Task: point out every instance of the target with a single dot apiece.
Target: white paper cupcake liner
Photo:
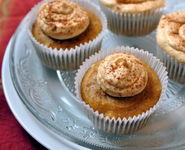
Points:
(129, 24)
(67, 59)
(176, 70)
(121, 125)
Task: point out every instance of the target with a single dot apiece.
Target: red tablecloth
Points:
(12, 135)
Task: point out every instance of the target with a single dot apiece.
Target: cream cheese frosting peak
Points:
(62, 19)
(171, 35)
(131, 1)
(122, 75)
(133, 6)
(175, 30)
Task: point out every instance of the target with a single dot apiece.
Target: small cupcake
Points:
(65, 32)
(120, 88)
(171, 44)
(132, 17)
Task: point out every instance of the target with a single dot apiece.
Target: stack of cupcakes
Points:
(65, 32)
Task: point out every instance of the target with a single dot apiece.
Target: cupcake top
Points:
(62, 19)
(133, 6)
(122, 75)
(171, 35)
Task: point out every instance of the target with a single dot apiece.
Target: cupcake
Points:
(132, 17)
(171, 44)
(65, 32)
(120, 88)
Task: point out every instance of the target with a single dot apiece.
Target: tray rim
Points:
(29, 122)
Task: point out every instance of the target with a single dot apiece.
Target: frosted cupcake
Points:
(171, 44)
(120, 88)
(65, 32)
(132, 17)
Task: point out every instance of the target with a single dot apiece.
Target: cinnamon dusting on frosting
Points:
(133, 6)
(62, 19)
(171, 35)
(122, 75)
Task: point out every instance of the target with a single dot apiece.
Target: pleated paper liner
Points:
(176, 70)
(129, 24)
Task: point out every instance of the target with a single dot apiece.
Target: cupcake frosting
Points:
(133, 6)
(122, 75)
(62, 19)
(171, 35)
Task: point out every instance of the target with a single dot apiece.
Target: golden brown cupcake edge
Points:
(92, 31)
(92, 94)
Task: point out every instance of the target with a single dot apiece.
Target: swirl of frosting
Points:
(171, 35)
(122, 75)
(131, 1)
(62, 19)
(133, 6)
(175, 30)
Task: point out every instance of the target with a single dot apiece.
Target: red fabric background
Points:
(12, 135)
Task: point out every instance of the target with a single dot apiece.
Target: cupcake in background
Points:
(120, 88)
(65, 32)
(171, 44)
(132, 17)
